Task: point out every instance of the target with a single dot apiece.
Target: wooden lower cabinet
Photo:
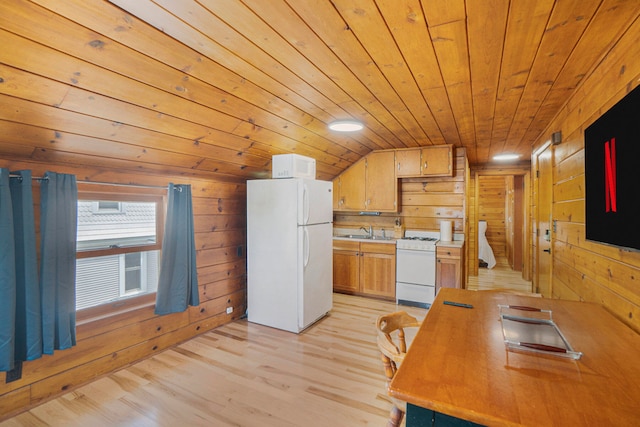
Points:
(346, 266)
(364, 268)
(449, 264)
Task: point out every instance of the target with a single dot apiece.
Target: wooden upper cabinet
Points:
(381, 186)
(437, 160)
(408, 163)
(350, 188)
(371, 184)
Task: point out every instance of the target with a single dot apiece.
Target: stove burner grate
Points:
(422, 239)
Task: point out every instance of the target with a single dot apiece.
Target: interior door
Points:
(543, 223)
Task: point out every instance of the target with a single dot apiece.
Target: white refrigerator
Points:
(289, 252)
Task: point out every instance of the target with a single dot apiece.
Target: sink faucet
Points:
(369, 231)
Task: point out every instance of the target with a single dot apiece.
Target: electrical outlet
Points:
(229, 310)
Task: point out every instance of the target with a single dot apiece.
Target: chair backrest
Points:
(393, 351)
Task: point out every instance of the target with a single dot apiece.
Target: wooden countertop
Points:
(377, 240)
(458, 365)
(450, 244)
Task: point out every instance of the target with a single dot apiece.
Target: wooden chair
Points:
(392, 353)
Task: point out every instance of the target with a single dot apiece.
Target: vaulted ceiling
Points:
(197, 87)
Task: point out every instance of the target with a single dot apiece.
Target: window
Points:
(118, 246)
(106, 207)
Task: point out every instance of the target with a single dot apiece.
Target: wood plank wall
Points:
(107, 345)
(584, 270)
(424, 203)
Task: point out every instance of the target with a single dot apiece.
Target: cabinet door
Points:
(336, 194)
(448, 267)
(381, 183)
(378, 271)
(447, 273)
(437, 160)
(346, 276)
(352, 187)
(408, 163)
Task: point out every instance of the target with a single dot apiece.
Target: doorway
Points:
(502, 199)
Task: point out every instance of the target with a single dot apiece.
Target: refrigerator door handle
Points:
(306, 247)
(305, 204)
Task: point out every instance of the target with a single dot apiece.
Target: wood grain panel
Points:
(526, 22)
(590, 271)
(406, 22)
(109, 343)
(245, 80)
(450, 43)
(361, 16)
(486, 28)
(563, 30)
(610, 15)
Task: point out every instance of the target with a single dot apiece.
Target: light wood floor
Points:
(499, 277)
(243, 374)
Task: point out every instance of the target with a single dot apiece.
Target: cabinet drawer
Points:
(346, 245)
(444, 252)
(378, 248)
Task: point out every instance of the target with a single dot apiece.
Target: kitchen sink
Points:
(381, 238)
(364, 236)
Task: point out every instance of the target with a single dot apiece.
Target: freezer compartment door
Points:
(316, 271)
(315, 200)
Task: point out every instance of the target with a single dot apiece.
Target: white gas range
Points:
(416, 268)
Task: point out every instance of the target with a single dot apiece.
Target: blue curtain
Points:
(7, 276)
(178, 281)
(58, 225)
(28, 336)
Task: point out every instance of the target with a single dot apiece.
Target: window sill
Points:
(114, 309)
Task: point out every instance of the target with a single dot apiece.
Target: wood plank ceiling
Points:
(204, 87)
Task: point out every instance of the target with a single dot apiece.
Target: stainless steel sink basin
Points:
(381, 238)
(364, 236)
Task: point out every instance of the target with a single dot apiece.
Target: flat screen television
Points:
(612, 175)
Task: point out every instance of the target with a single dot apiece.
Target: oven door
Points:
(416, 266)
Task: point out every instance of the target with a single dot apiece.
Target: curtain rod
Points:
(37, 178)
(177, 187)
(44, 178)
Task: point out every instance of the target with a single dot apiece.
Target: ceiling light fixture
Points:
(345, 126)
(505, 157)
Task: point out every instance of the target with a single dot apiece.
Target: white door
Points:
(316, 268)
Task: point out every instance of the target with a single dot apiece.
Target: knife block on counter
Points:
(398, 231)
